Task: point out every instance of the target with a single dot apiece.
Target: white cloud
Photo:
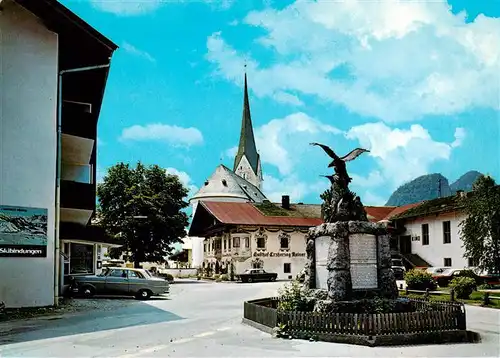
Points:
(460, 135)
(127, 7)
(185, 179)
(231, 152)
(163, 132)
(401, 154)
(403, 60)
(136, 52)
(285, 97)
(283, 141)
(372, 199)
(291, 185)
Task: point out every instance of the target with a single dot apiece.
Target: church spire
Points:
(246, 147)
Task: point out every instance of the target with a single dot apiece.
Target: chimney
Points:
(285, 202)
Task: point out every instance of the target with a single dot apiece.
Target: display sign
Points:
(278, 254)
(23, 232)
(363, 250)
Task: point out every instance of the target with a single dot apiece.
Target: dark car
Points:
(253, 275)
(120, 281)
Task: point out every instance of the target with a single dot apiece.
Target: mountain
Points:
(425, 187)
(465, 181)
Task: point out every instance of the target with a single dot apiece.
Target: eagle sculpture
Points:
(339, 162)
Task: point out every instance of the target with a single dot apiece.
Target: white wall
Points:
(28, 98)
(436, 251)
(244, 170)
(270, 263)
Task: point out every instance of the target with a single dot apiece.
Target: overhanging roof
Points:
(60, 19)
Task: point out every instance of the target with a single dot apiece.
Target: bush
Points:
(291, 297)
(463, 286)
(471, 274)
(216, 276)
(224, 277)
(419, 280)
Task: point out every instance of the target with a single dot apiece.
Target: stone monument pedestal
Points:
(350, 259)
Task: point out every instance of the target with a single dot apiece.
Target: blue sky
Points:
(416, 82)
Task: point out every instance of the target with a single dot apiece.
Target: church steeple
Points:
(247, 148)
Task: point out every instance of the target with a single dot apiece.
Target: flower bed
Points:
(423, 322)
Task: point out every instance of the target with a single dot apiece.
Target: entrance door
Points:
(405, 244)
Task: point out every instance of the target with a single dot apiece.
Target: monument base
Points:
(350, 259)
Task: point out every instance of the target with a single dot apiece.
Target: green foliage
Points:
(224, 277)
(480, 231)
(291, 297)
(419, 280)
(216, 276)
(142, 208)
(463, 286)
(270, 209)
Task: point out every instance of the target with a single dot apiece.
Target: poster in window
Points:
(23, 231)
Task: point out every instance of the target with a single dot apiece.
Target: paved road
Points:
(203, 320)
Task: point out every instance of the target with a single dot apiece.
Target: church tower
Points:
(247, 161)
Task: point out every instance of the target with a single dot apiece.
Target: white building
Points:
(428, 233)
(250, 235)
(242, 184)
(49, 109)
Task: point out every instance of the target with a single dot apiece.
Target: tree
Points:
(480, 231)
(142, 208)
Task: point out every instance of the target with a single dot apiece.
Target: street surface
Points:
(203, 319)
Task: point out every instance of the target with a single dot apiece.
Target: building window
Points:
(472, 262)
(446, 232)
(229, 242)
(247, 242)
(284, 241)
(81, 260)
(261, 243)
(447, 262)
(225, 244)
(287, 268)
(236, 242)
(204, 247)
(425, 234)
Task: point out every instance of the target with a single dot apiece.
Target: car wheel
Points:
(143, 295)
(87, 291)
(249, 280)
(272, 279)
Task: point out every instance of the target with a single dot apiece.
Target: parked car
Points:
(444, 278)
(398, 268)
(253, 275)
(120, 281)
(435, 270)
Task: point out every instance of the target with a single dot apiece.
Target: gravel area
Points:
(68, 306)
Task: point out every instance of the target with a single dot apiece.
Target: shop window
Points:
(287, 268)
(81, 260)
(236, 242)
(447, 262)
(446, 232)
(425, 234)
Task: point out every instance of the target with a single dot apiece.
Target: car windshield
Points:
(447, 272)
(397, 263)
(247, 271)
